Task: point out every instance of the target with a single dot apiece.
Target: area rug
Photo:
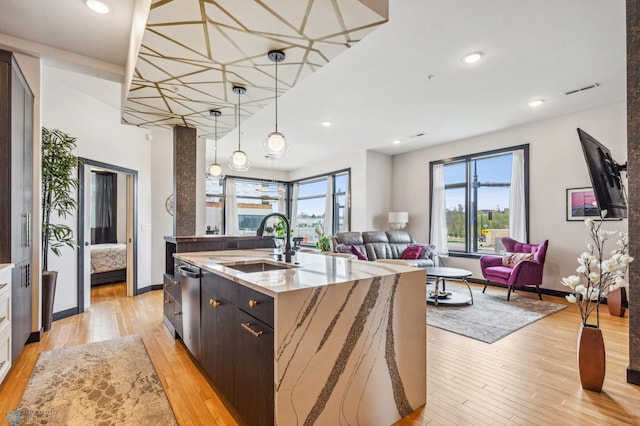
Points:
(102, 383)
(490, 318)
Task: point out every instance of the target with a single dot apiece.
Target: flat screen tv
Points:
(606, 179)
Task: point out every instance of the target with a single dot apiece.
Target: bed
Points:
(108, 263)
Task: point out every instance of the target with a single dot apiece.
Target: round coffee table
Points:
(452, 297)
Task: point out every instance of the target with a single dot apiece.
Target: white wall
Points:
(88, 108)
(370, 185)
(162, 187)
(556, 163)
(378, 191)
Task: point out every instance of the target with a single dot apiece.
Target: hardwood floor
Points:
(527, 378)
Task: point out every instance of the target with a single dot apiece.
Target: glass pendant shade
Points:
(215, 170)
(239, 161)
(275, 145)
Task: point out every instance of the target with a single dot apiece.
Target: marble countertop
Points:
(308, 270)
(4, 266)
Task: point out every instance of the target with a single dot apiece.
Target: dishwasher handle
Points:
(188, 272)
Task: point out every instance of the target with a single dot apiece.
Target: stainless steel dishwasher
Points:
(190, 284)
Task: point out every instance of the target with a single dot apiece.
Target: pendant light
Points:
(215, 170)
(275, 145)
(239, 160)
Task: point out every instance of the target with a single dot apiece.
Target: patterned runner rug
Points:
(102, 383)
(490, 318)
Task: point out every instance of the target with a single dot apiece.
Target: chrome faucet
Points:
(287, 248)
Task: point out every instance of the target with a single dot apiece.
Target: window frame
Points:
(467, 159)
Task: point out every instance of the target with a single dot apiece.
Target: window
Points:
(214, 202)
(484, 197)
(103, 207)
(249, 201)
(320, 206)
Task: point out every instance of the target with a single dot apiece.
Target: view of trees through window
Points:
(477, 202)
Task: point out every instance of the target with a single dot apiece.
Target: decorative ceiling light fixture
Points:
(215, 170)
(472, 58)
(239, 160)
(98, 6)
(275, 145)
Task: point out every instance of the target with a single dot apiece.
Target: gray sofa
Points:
(384, 245)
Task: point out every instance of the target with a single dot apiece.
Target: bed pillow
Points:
(358, 254)
(512, 259)
(412, 252)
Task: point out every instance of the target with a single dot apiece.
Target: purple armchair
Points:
(523, 273)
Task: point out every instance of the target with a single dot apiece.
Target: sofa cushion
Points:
(421, 263)
(412, 252)
(350, 238)
(358, 253)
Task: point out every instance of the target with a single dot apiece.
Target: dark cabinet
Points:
(237, 348)
(173, 319)
(16, 196)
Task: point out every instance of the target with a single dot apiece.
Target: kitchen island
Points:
(324, 340)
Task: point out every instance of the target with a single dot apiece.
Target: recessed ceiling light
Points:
(396, 141)
(536, 103)
(472, 57)
(97, 6)
(327, 123)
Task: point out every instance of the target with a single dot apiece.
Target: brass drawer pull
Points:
(176, 282)
(166, 302)
(252, 303)
(214, 303)
(175, 314)
(247, 326)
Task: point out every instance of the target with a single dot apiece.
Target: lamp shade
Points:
(275, 145)
(215, 170)
(398, 220)
(239, 161)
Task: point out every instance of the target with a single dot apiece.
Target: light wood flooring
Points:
(526, 378)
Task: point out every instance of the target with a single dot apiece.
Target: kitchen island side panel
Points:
(351, 353)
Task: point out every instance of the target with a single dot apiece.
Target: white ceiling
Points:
(379, 89)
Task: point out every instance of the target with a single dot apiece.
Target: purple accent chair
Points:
(525, 273)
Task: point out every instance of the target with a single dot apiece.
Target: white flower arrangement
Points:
(598, 276)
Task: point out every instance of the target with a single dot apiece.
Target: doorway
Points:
(104, 229)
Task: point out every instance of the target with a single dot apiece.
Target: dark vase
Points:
(49, 279)
(591, 357)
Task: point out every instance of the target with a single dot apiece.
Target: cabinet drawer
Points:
(173, 287)
(5, 352)
(256, 304)
(219, 286)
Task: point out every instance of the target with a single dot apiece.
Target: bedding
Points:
(108, 257)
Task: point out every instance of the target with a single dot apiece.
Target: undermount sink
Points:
(257, 266)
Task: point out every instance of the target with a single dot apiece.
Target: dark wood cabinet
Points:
(16, 191)
(173, 320)
(237, 348)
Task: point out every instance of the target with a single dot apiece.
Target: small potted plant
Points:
(324, 243)
(58, 189)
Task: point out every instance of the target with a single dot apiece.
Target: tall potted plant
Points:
(58, 189)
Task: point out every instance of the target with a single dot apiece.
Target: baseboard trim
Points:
(66, 313)
(152, 287)
(633, 376)
(530, 289)
(35, 336)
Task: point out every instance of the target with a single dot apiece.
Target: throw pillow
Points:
(357, 252)
(342, 248)
(411, 252)
(427, 251)
(512, 259)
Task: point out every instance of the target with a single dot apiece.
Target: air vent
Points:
(582, 89)
(417, 135)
